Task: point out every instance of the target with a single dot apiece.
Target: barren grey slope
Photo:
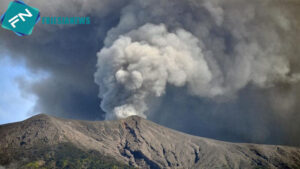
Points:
(144, 144)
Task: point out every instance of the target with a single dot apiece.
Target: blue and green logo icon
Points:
(20, 18)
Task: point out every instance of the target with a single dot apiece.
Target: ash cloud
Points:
(213, 48)
(66, 53)
(140, 64)
(221, 69)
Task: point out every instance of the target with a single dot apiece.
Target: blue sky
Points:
(15, 105)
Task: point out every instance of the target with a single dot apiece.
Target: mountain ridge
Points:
(140, 143)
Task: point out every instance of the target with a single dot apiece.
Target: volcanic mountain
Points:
(49, 142)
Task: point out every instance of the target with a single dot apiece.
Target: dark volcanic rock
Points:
(139, 143)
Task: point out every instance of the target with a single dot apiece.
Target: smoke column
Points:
(227, 70)
(213, 48)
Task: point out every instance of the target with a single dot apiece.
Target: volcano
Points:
(49, 142)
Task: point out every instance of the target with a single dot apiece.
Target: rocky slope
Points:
(133, 142)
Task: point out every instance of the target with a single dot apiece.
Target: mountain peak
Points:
(41, 116)
(140, 143)
(135, 118)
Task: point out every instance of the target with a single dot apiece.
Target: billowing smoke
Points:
(139, 65)
(221, 69)
(213, 48)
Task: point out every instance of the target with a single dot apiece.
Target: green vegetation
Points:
(34, 165)
(64, 156)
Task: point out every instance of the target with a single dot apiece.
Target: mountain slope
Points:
(133, 141)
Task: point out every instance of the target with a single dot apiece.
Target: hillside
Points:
(48, 142)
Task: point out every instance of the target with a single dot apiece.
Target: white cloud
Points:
(15, 105)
